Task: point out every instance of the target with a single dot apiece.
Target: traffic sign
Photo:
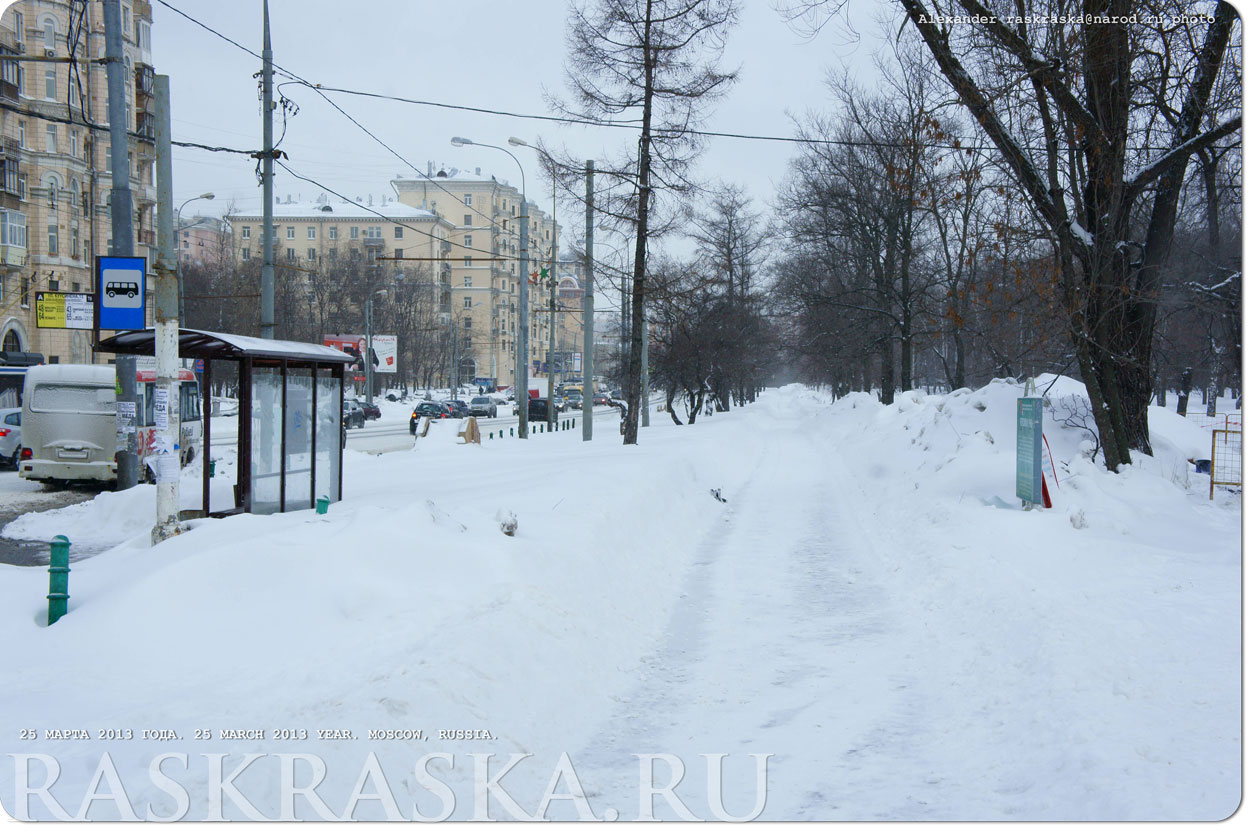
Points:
(199, 365)
(120, 292)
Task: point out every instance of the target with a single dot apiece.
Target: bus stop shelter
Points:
(290, 450)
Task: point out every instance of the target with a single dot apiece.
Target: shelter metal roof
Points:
(196, 343)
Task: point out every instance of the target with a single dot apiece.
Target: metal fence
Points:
(1220, 421)
(1225, 459)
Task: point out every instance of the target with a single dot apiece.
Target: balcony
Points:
(12, 238)
(145, 125)
(145, 81)
(147, 238)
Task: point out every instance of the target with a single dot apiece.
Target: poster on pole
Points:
(385, 353)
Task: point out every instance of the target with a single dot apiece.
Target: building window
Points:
(290, 254)
(354, 254)
(51, 129)
(49, 83)
(312, 254)
(468, 262)
(334, 253)
(399, 232)
(468, 199)
(25, 293)
(52, 189)
(312, 232)
(49, 33)
(468, 219)
(468, 323)
(76, 286)
(355, 233)
(468, 302)
(334, 232)
(73, 242)
(247, 232)
(290, 232)
(145, 35)
(73, 143)
(247, 254)
(54, 285)
(19, 27)
(468, 241)
(374, 232)
(468, 281)
(21, 134)
(21, 187)
(52, 240)
(399, 254)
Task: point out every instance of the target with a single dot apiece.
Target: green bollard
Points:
(212, 468)
(58, 579)
(512, 431)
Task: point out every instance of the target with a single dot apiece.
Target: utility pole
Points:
(551, 316)
(168, 386)
(523, 344)
(122, 216)
(266, 234)
(645, 413)
(588, 307)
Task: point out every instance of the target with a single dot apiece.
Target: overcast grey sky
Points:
(466, 52)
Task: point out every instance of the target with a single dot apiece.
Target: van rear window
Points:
(72, 398)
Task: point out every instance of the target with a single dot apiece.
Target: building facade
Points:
(55, 171)
(484, 215)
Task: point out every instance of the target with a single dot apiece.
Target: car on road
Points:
(353, 415)
(371, 411)
(601, 398)
(573, 401)
(431, 410)
(10, 435)
(459, 409)
(483, 406)
(537, 410)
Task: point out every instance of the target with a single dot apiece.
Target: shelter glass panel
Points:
(266, 439)
(299, 427)
(329, 435)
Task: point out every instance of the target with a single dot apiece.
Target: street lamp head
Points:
(460, 141)
(209, 195)
(515, 142)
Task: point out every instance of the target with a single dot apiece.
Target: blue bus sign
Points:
(120, 292)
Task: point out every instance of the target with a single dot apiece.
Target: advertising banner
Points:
(385, 353)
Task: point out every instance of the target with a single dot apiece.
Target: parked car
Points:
(10, 435)
(601, 398)
(353, 415)
(483, 406)
(372, 411)
(459, 409)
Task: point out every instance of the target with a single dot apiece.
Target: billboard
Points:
(64, 310)
(384, 354)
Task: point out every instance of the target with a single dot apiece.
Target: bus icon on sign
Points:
(127, 289)
(121, 290)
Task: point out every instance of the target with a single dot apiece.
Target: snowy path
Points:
(784, 641)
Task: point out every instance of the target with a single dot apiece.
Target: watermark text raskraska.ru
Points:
(1061, 19)
(295, 778)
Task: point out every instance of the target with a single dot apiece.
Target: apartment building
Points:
(484, 214)
(55, 167)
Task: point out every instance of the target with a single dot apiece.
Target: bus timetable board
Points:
(64, 310)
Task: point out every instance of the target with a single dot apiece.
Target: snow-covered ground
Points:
(865, 608)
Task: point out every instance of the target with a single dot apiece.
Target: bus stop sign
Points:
(120, 292)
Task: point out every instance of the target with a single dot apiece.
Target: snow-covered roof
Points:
(341, 211)
(198, 343)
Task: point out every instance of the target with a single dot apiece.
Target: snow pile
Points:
(850, 587)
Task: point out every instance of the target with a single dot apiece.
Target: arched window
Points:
(49, 32)
(11, 342)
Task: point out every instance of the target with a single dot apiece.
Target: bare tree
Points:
(652, 62)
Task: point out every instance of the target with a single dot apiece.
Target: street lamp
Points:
(367, 354)
(551, 279)
(182, 304)
(521, 383)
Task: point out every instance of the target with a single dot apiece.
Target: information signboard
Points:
(121, 292)
(1029, 450)
(64, 310)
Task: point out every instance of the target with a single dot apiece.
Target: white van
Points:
(71, 413)
(69, 423)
